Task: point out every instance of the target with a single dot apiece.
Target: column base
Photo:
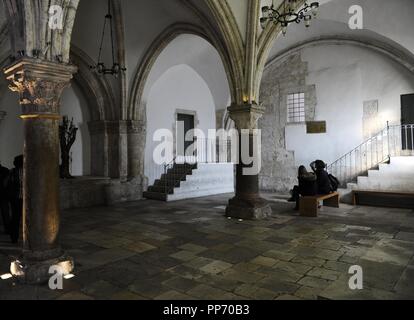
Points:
(248, 209)
(32, 272)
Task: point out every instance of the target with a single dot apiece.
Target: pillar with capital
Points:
(247, 203)
(40, 85)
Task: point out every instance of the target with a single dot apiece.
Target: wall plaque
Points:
(316, 127)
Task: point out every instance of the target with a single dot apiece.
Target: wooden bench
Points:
(309, 206)
(404, 200)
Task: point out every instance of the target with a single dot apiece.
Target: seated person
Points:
(323, 181)
(307, 186)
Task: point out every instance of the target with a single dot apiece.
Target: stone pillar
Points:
(247, 204)
(40, 85)
(99, 149)
(136, 148)
(109, 149)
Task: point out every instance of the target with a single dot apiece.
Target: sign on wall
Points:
(316, 127)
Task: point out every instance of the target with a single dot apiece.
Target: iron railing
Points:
(393, 141)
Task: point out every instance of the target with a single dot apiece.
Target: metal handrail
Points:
(394, 140)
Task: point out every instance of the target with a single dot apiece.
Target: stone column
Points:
(247, 204)
(40, 85)
(99, 149)
(136, 148)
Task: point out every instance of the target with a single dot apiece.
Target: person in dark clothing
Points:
(307, 186)
(4, 202)
(15, 194)
(323, 181)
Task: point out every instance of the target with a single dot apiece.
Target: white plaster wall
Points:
(75, 106)
(201, 56)
(180, 87)
(385, 20)
(345, 76)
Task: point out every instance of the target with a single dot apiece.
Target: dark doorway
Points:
(407, 121)
(187, 123)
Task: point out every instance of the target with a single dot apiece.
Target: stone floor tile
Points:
(126, 295)
(277, 285)
(139, 247)
(246, 267)
(391, 251)
(172, 295)
(264, 261)
(100, 289)
(184, 255)
(337, 266)
(405, 285)
(148, 289)
(339, 290)
(180, 284)
(256, 293)
(244, 277)
(287, 297)
(205, 292)
(292, 267)
(313, 282)
(193, 248)
(279, 255)
(216, 267)
(75, 295)
(198, 262)
(324, 274)
(308, 293)
(309, 261)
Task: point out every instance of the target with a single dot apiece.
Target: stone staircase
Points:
(397, 176)
(186, 181)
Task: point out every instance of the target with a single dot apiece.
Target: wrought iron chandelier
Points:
(100, 67)
(288, 14)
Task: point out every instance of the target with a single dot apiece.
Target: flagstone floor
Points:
(189, 250)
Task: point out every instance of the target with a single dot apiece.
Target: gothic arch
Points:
(395, 52)
(234, 43)
(136, 106)
(97, 90)
(265, 44)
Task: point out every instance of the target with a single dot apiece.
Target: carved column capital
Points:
(136, 127)
(40, 84)
(246, 116)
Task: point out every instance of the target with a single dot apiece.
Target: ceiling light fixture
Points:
(287, 14)
(100, 66)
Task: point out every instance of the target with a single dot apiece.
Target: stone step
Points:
(175, 176)
(207, 179)
(391, 174)
(179, 172)
(161, 189)
(168, 182)
(202, 180)
(402, 161)
(397, 185)
(155, 196)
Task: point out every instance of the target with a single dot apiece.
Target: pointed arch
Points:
(136, 107)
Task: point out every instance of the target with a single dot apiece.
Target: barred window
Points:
(296, 107)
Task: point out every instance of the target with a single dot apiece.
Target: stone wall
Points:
(84, 192)
(280, 79)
